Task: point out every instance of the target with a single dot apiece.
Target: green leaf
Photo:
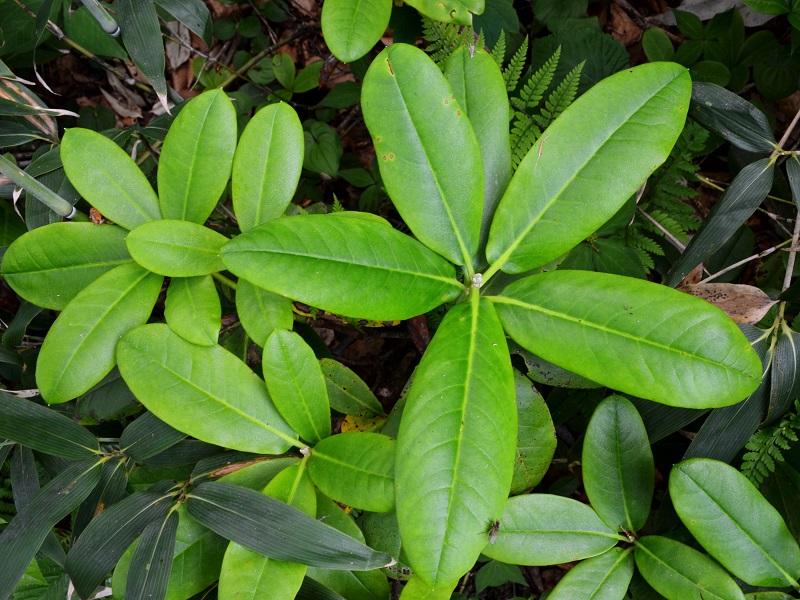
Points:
(49, 265)
(769, 7)
(657, 45)
(732, 117)
(618, 471)
(147, 436)
(277, 530)
(196, 157)
(460, 412)
(734, 522)
(308, 78)
(347, 392)
(540, 529)
(352, 27)
(495, 573)
(267, 165)
(152, 560)
(83, 28)
(603, 577)
(627, 125)
(79, 349)
(416, 124)
(536, 436)
(213, 396)
(247, 575)
(193, 309)
(679, 572)
(322, 148)
(479, 88)
(783, 374)
(44, 430)
(24, 534)
(176, 248)
(141, 34)
(110, 533)
(745, 193)
(108, 178)
(262, 312)
(451, 11)
(356, 469)
(192, 13)
(632, 336)
(295, 382)
(315, 259)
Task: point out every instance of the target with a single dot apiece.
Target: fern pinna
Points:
(765, 446)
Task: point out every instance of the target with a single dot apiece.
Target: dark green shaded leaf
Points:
(661, 420)
(141, 34)
(152, 560)
(312, 590)
(347, 392)
(192, 13)
(15, 333)
(111, 489)
(147, 436)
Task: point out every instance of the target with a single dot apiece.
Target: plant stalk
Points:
(36, 189)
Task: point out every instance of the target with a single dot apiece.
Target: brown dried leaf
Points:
(742, 303)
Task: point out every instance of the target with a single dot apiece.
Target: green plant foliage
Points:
(351, 28)
(764, 447)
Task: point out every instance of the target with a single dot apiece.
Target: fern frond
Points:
(764, 447)
(499, 50)
(561, 97)
(534, 89)
(513, 71)
(445, 38)
(524, 134)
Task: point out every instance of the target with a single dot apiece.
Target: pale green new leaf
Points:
(450, 11)
(632, 336)
(176, 248)
(734, 523)
(247, 575)
(456, 444)
(618, 472)
(479, 88)
(267, 165)
(49, 265)
(196, 157)
(603, 577)
(108, 178)
(356, 469)
(416, 126)
(350, 266)
(679, 572)
(295, 382)
(212, 396)
(262, 312)
(588, 163)
(80, 347)
(352, 27)
(193, 310)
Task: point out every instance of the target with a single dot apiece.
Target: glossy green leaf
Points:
(152, 560)
(679, 572)
(603, 577)
(193, 309)
(147, 436)
(618, 471)
(416, 124)
(277, 530)
(267, 165)
(196, 157)
(44, 430)
(745, 193)
(451, 11)
(356, 469)
(295, 382)
(176, 248)
(732, 117)
(79, 349)
(108, 178)
(347, 392)
(212, 395)
(262, 312)
(479, 89)
(541, 529)
(49, 265)
(141, 34)
(110, 533)
(632, 336)
(734, 522)
(352, 27)
(456, 446)
(588, 163)
(317, 258)
(24, 534)
(247, 575)
(536, 436)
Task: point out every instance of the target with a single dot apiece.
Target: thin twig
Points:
(766, 252)
(671, 238)
(641, 21)
(787, 278)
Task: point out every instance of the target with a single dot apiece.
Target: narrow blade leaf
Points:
(147, 436)
(278, 530)
(633, 336)
(141, 34)
(152, 560)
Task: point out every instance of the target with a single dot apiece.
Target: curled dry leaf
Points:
(742, 303)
